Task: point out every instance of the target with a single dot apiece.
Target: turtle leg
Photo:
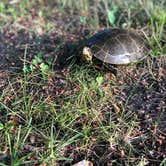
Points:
(112, 69)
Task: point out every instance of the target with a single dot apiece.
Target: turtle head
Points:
(87, 54)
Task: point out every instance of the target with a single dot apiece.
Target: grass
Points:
(49, 117)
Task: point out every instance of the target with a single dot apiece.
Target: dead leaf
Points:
(122, 153)
(115, 91)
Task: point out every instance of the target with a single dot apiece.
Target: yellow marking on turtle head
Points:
(87, 54)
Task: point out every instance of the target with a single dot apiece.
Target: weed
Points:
(37, 64)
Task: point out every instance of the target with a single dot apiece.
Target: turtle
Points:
(115, 47)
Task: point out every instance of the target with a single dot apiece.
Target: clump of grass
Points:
(157, 25)
(12, 10)
(59, 127)
(113, 13)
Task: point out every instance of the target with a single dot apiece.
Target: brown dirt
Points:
(141, 88)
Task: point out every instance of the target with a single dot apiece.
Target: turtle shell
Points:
(117, 46)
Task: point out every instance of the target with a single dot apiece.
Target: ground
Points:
(57, 110)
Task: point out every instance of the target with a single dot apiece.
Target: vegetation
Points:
(55, 110)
